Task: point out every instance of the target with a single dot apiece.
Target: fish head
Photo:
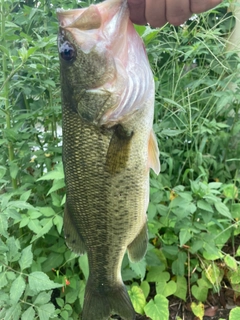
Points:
(104, 67)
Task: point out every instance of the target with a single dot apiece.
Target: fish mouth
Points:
(103, 23)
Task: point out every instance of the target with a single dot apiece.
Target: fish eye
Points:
(67, 51)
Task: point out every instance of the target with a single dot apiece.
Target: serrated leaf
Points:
(39, 281)
(17, 288)
(231, 262)
(157, 309)
(139, 268)
(45, 311)
(29, 314)
(43, 298)
(198, 310)
(47, 226)
(138, 299)
(26, 258)
(13, 313)
(223, 209)
(47, 211)
(166, 288)
(3, 225)
(3, 280)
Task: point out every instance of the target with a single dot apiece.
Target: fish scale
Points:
(108, 148)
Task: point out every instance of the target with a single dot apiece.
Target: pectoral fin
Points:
(153, 153)
(138, 248)
(72, 236)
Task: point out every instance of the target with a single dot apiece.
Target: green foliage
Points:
(194, 209)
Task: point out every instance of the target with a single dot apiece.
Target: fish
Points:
(107, 92)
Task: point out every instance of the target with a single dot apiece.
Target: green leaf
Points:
(184, 236)
(234, 314)
(57, 184)
(230, 191)
(223, 209)
(58, 222)
(198, 309)
(166, 288)
(29, 314)
(178, 266)
(181, 291)
(83, 263)
(145, 288)
(57, 174)
(139, 268)
(46, 311)
(214, 274)
(13, 313)
(235, 211)
(17, 288)
(47, 211)
(39, 281)
(138, 299)
(200, 291)
(156, 274)
(3, 280)
(157, 309)
(25, 196)
(204, 205)
(231, 262)
(26, 258)
(2, 171)
(47, 226)
(13, 170)
(234, 276)
(43, 298)
(3, 225)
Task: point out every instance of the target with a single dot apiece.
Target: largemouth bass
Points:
(108, 147)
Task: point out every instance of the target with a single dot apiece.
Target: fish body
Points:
(108, 147)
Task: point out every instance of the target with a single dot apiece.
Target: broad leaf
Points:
(138, 299)
(39, 281)
(157, 309)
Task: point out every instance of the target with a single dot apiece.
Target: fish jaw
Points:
(104, 32)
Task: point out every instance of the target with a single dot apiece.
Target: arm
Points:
(159, 12)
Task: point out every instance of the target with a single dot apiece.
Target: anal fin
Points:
(72, 236)
(138, 248)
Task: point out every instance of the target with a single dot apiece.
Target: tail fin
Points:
(100, 303)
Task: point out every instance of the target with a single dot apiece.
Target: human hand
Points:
(159, 12)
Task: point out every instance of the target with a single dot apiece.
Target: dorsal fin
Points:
(153, 153)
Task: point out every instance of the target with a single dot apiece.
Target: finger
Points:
(155, 12)
(203, 5)
(177, 12)
(137, 11)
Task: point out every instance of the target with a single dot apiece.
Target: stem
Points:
(6, 92)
